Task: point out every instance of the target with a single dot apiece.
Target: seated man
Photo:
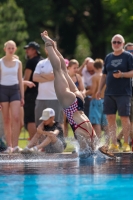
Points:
(50, 133)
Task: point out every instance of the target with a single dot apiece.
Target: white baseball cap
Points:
(47, 113)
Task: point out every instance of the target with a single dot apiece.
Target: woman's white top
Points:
(8, 75)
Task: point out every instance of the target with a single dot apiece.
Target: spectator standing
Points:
(30, 85)
(1, 130)
(73, 73)
(86, 70)
(117, 73)
(11, 95)
(128, 47)
(33, 55)
(96, 116)
(46, 97)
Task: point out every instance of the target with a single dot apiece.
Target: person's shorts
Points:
(131, 110)
(29, 108)
(56, 147)
(9, 93)
(96, 115)
(122, 104)
(87, 105)
(43, 104)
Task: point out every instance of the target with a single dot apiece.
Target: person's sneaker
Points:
(104, 153)
(114, 148)
(8, 150)
(34, 149)
(30, 150)
(26, 150)
(126, 147)
(16, 149)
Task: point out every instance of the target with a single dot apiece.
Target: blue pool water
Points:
(58, 187)
(90, 179)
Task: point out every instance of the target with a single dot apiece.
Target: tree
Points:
(12, 26)
(66, 20)
(124, 18)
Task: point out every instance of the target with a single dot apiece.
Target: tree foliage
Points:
(66, 20)
(69, 20)
(12, 26)
(122, 17)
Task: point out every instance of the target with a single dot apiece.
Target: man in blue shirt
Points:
(128, 47)
(117, 73)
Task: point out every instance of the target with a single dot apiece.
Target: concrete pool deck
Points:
(66, 163)
(37, 156)
(51, 156)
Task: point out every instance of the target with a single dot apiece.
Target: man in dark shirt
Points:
(128, 47)
(50, 133)
(33, 55)
(117, 73)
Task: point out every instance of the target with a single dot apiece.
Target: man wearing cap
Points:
(51, 132)
(33, 55)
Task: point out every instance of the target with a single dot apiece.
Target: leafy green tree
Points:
(12, 26)
(123, 21)
(66, 20)
(82, 49)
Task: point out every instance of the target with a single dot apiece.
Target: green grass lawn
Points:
(23, 138)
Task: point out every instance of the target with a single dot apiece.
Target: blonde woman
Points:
(11, 95)
(77, 79)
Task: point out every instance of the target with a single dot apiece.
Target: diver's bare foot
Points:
(46, 38)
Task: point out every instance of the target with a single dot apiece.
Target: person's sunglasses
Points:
(116, 42)
(131, 51)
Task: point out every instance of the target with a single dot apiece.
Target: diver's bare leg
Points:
(58, 64)
(64, 95)
(72, 86)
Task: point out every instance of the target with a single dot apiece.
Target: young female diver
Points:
(72, 100)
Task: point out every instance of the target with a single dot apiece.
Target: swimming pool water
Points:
(58, 187)
(90, 179)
